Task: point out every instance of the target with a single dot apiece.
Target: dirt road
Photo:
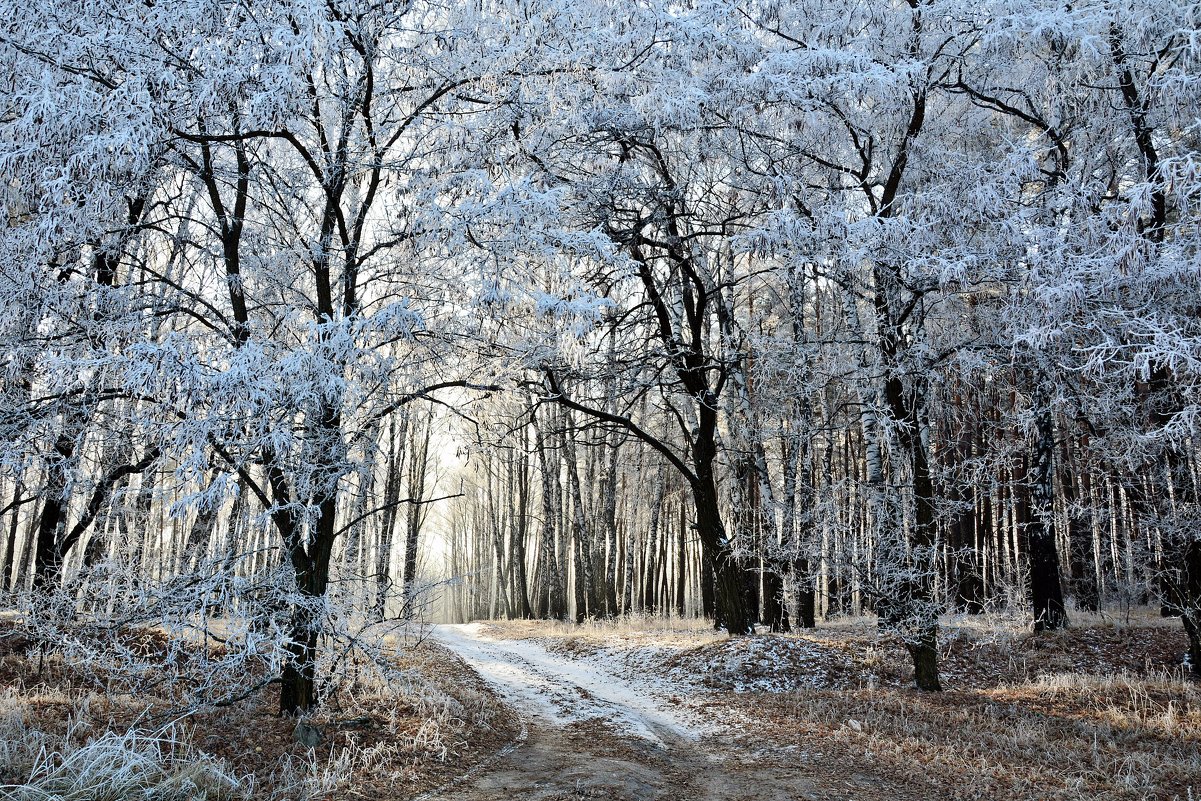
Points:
(594, 731)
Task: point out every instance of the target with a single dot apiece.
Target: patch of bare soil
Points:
(587, 760)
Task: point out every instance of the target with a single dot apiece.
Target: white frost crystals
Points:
(559, 690)
(242, 239)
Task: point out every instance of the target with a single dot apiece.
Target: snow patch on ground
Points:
(560, 689)
(762, 664)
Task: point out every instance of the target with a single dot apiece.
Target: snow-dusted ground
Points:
(770, 664)
(558, 689)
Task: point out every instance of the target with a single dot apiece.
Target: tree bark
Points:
(47, 555)
(519, 518)
(1046, 591)
(418, 465)
(12, 564)
(1075, 481)
(556, 607)
(583, 553)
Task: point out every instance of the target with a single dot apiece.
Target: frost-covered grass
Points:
(66, 735)
(82, 758)
(663, 630)
(1059, 736)
(1102, 710)
(80, 762)
(851, 652)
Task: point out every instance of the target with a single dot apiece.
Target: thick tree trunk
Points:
(743, 514)
(923, 649)
(298, 679)
(1046, 592)
(47, 554)
(730, 608)
(310, 566)
(708, 590)
(913, 612)
(924, 646)
(1191, 589)
(775, 610)
(806, 595)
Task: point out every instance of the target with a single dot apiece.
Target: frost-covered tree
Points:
(296, 282)
(1111, 286)
(895, 301)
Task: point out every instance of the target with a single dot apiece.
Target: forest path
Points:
(594, 731)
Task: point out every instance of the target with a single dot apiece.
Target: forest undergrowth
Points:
(68, 733)
(1102, 710)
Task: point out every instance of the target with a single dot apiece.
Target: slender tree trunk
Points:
(418, 465)
(682, 557)
(609, 521)
(13, 570)
(397, 449)
(649, 601)
(520, 530)
(584, 592)
(798, 518)
(556, 601)
(1076, 481)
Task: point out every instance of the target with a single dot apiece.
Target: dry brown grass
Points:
(1099, 711)
(632, 630)
(380, 735)
(1056, 738)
